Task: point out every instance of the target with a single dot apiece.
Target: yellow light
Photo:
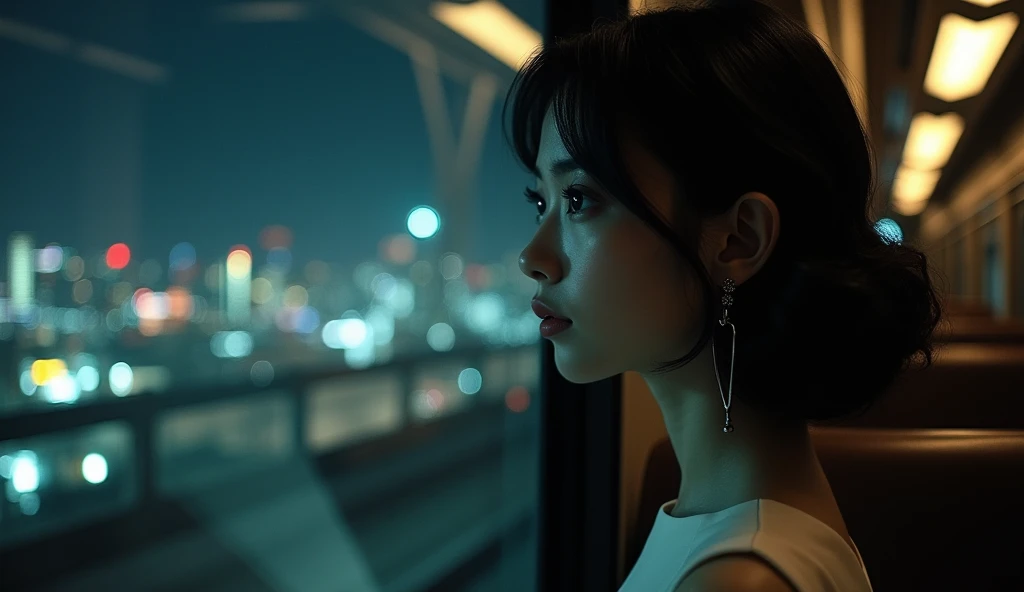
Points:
(965, 54)
(239, 264)
(912, 208)
(912, 185)
(931, 140)
(985, 3)
(262, 290)
(492, 27)
(43, 371)
(296, 296)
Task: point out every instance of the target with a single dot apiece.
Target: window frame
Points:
(580, 427)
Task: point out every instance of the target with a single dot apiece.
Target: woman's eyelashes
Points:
(575, 195)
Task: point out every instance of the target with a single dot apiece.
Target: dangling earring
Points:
(728, 286)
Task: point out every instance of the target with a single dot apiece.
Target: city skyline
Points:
(235, 139)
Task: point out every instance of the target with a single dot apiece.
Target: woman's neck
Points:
(762, 458)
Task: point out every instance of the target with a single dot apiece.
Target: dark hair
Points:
(733, 97)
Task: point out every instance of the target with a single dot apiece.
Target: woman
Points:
(703, 193)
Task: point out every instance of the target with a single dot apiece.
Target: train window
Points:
(960, 267)
(262, 324)
(993, 284)
(1018, 273)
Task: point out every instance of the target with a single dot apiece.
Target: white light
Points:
(231, 344)
(423, 222)
(352, 333)
(238, 344)
(94, 468)
(49, 259)
(121, 379)
(88, 378)
(441, 337)
(331, 334)
(153, 306)
(486, 312)
(346, 333)
(62, 389)
(470, 381)
(25, 474)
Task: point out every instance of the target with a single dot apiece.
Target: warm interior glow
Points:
(985, 3)
(239, 264)
(492, 27)
(912, 185)
(931, 140)
(965, 54)
(911, 208)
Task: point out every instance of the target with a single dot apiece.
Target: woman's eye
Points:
(573, 195)
(535, 198)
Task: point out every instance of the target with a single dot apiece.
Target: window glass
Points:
(960, 267)
(262, 325)
(993, 276)
(1018, 273)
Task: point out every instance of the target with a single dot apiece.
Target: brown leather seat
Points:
(980, 330)
(928, 509)
(958, 306)
(970, 385)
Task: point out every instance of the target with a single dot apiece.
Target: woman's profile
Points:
(703, 194)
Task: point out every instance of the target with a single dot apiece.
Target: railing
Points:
(358, 443)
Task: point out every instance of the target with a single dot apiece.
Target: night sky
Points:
(314, 125)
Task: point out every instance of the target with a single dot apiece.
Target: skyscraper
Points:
(21, 274)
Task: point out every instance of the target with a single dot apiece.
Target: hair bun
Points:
(840, 329)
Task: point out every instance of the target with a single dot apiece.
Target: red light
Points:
(517, 399)
(276, 237)
(118, 256)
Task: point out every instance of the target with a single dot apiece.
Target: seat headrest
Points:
(929, 509)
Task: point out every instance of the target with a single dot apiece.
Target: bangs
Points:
(582, 81)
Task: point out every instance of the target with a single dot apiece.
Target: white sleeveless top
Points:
(806, 551)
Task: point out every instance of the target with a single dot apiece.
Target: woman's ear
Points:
(743, 238)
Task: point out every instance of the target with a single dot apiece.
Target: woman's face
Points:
(632, 300)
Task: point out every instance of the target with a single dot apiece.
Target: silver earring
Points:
(728, 286)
